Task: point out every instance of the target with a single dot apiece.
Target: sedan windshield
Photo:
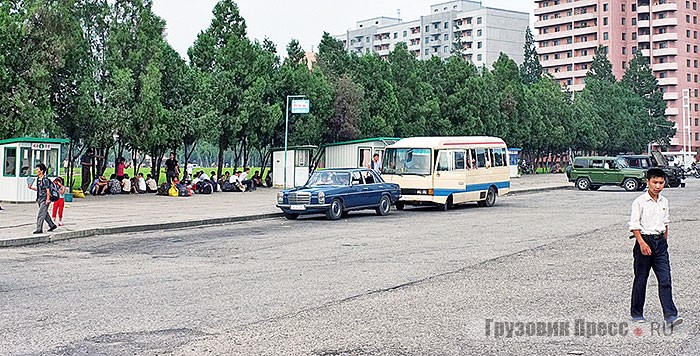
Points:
(407, 161)
(323, 178)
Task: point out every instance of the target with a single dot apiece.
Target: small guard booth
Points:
(514, 163)
(298, 165)
(354, 154)
(19, 156)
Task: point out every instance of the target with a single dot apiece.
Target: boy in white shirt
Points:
(649, 224)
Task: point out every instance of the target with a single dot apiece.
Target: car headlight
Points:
(321, 197)
(280, 198)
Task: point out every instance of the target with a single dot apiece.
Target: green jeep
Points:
(594, 172)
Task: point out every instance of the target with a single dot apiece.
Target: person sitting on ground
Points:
(268, 179)
(126, 184)
(115, 186)
(237, 183)
(257, 179)
(101, 186)
(246, 180)
(203, 176)
(138, 184)
(213, 177)
(151, 184)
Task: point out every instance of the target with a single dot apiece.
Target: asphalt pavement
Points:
(417, 282)
(102, 215)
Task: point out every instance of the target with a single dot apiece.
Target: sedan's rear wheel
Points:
(335, 211)
(384, 206)
(400, 205)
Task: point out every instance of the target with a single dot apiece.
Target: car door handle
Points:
(365, 188)
(461, 183)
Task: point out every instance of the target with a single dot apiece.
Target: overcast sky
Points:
(304, 20)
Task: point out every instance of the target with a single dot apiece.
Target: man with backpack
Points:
(44, 195)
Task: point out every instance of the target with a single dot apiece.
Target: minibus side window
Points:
(481, 158)
(460, 160)
(444, 161)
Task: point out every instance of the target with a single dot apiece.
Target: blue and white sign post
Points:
(300, 105)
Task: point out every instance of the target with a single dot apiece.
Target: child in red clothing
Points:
(60, 203)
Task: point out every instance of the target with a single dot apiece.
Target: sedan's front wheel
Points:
(335, 211)
(291, 216)
(384, 206)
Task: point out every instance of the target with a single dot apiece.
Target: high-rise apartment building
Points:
(568, 32)
(481, 33)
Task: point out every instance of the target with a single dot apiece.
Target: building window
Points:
(396, 35)
(478, 33)
(427, 52)
(447, 25)
(427, 28)
(634, 21)
(478, 57)
(634, 36)
(605, 36)
(447, 49)
(624, 21)
(405, 33)
(478, 20)
(623, 8)
(605, 21)
(624, 65)
(478, 45)
(605, 7)
(624, 36)
(624, 50)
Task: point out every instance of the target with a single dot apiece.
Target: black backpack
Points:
(53, 191)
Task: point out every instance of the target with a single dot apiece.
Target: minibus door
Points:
(450, 175)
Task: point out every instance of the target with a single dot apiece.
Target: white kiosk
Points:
(514, 161)
(298, 165)
(354, 154)
(19, 157)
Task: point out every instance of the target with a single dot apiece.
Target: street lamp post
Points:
(686, 125)
(286, 129)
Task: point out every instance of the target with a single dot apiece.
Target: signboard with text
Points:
(301, 106)
(43, 146)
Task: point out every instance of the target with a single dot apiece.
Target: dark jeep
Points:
(674, 175)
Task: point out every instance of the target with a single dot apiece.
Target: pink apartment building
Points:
(568, 32)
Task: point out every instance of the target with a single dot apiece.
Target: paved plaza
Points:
(417, 282)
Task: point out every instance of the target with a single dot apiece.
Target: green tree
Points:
(345, 122)
(531, 69)
(601, 68)
(641, 80)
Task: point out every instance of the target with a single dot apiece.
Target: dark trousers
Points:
(86, 179)
(658, 261)
(170, 175)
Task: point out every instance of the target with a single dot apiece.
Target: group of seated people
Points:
(240, 181)
(125, 185)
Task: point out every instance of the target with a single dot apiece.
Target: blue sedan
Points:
(335, 192)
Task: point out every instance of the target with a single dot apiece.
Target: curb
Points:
(33, 240)
(538, 190)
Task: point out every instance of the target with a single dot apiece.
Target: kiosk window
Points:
(365, 157)
(10, 162)
(26, 169)
(301, 158)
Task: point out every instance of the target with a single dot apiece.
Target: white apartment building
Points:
(480, 33)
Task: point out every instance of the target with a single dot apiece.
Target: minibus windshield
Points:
(407, 161)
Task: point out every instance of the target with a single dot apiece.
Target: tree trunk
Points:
(221, 158)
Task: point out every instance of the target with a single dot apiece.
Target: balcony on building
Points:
(665, 66)
(670, 95)
(671, 111)
(668, 36)
(669, 6)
